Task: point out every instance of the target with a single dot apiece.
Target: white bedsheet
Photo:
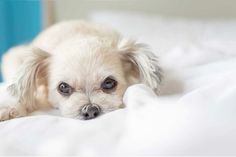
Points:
(194, 115)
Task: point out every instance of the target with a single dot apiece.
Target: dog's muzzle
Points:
(90, 111)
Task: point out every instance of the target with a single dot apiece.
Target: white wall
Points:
(72, 9)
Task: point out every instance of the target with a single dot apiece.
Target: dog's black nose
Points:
(90, 111)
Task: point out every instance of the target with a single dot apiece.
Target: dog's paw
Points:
(7, 113)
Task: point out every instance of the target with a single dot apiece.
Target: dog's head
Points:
(87, 77)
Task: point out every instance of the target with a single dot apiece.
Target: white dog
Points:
(81, 68)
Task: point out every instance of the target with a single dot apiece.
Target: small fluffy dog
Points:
(79, 67)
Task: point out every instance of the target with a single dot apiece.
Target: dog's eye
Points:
(108, 84)
(65, 89)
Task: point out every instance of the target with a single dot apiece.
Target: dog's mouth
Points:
(92, 111)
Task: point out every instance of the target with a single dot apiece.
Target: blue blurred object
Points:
(20, 22)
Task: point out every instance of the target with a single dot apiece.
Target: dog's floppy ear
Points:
(144, 64)
(31, 74)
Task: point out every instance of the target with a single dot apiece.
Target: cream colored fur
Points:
(81, 54)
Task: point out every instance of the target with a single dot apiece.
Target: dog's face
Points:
(86, 80)
(87, 77)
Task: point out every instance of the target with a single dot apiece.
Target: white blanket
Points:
(194, 115)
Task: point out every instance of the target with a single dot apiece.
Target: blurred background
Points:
(22, 20)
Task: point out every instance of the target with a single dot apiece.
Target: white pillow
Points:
(165, 33)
